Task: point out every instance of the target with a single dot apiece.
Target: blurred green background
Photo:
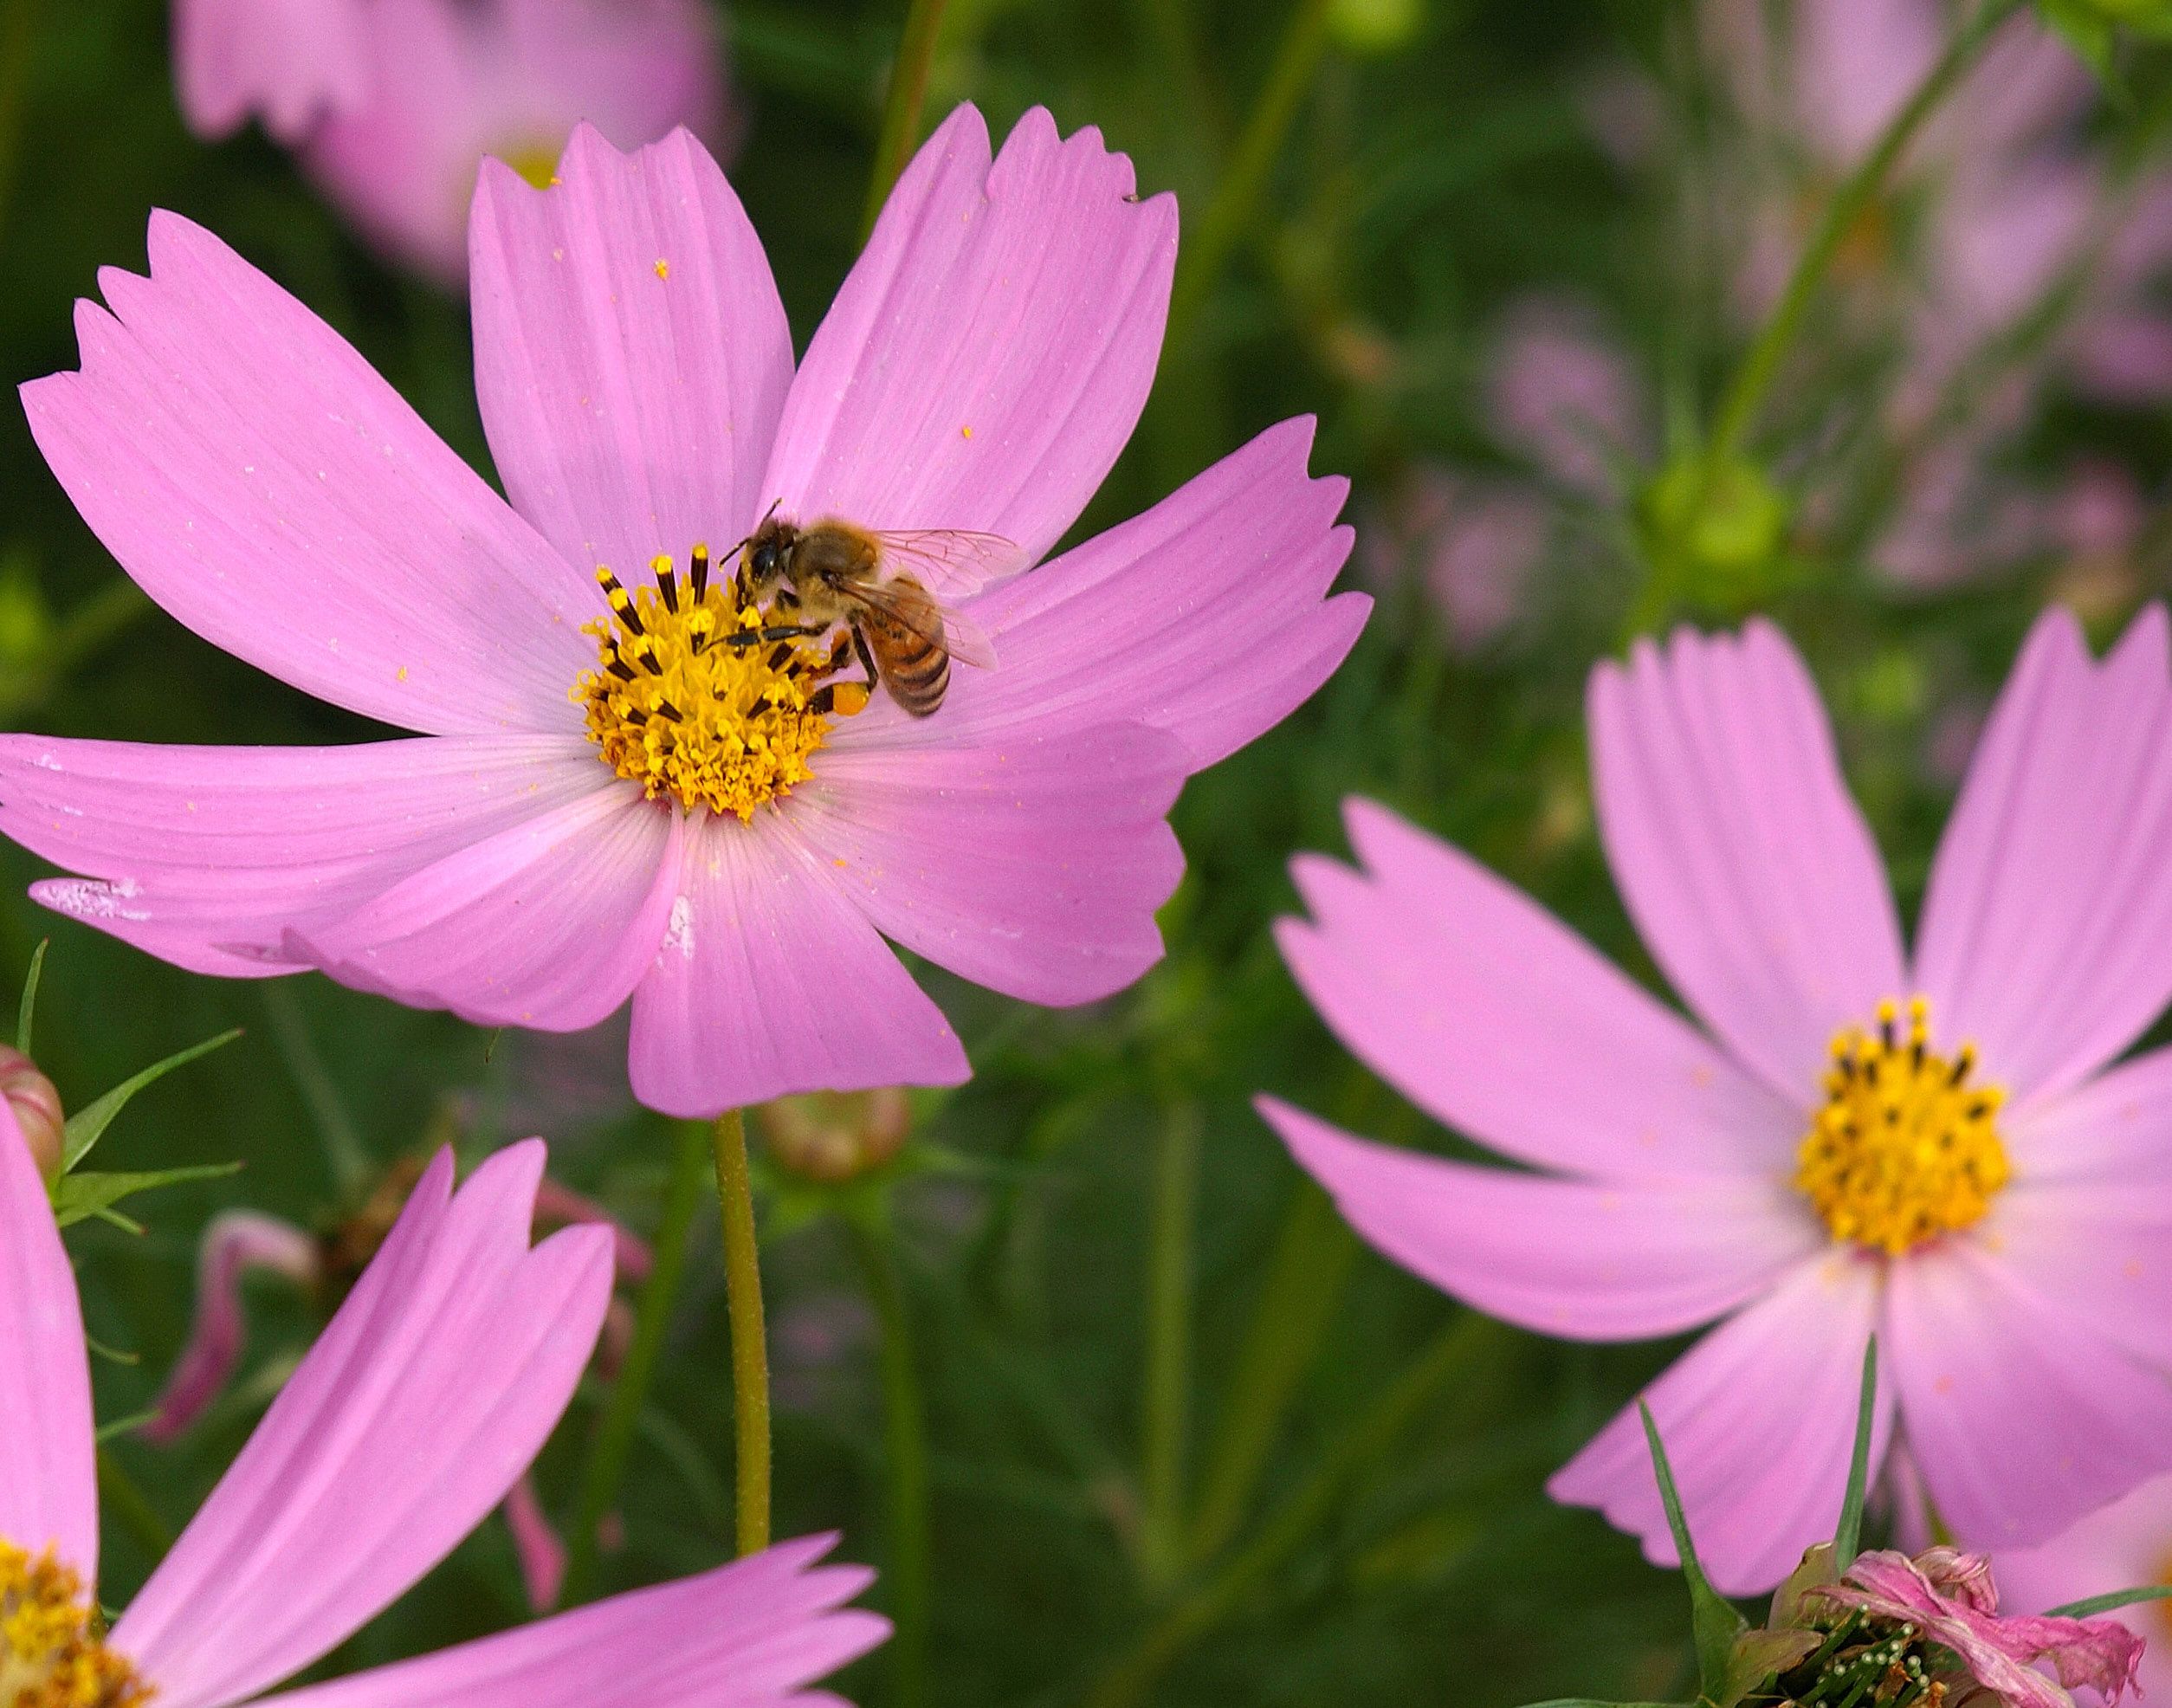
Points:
(1315, 1480)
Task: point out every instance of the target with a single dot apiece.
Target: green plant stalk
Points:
(120, 1496)
(906, 1575)
(1760, 364)
(1165, 1383)
(352, 1171)
(609, 1451)
(901, 109)
(750, 1339)
(1451, 1353)
(1258, 145)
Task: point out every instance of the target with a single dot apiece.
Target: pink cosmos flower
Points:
(2126, 1543)
(434, 1386)
(1845, 1138)
(706, 831)
(393, 103)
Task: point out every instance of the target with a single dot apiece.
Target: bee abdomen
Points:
(917, 674)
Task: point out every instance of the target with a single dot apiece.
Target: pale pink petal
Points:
(745, 1635)
(207, 857)
(989, 352)
(548, 924)
(1491, 1015)
(2052, 891)
(535, 1545)
(1855, 63)
(1748, 868)
(1207, 616)
(1759, 1423)
(450, 83)
(238, 1242)
(1577, 1259)
(1032, 864)
(771, 981)
(286, 61)
(48, 1485)
(631, 354)
(2115, 1129)
(2120, 1546)
(261, 481)
(2022, 1414)
(435, 1385)
(2100, 1250)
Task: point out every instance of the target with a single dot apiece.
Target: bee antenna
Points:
(746, 539)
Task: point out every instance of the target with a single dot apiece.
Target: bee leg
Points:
(840, 655)
(867, 655)
(744, 638)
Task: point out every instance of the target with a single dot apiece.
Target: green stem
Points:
(119, 1496)
(1166, 1386)
(1290, 1317)
(352, 1172)
(1451, 1353)
(750, 1341)
(901, 109)
(1754, 375)
(1258, 145)
(613, 1445)
(905, 1452)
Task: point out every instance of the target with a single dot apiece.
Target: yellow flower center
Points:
(536, 162)
(1906, 1148)
(696, 696)
(53, 1653)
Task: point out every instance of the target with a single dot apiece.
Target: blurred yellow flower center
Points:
(537, 163)
(1906, 1148)
(52, 1648)
(692, 700)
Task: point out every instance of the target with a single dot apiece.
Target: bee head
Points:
(769, 551)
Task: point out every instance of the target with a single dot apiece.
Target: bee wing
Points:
(951, 563)
(911, 605)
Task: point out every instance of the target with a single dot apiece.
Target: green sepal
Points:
(2110, 1600)
(27, 1009)
(76, 1197)
(1715, 1623)
(88, 1125)
(1757, 1656)
(1849, 1531)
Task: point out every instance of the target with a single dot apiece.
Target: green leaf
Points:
(1757, 1656)
(2110, 1600)
(1849, 1532)
(88, 1125)
(77, 1196)
(1715, 1622)
(27, 1007)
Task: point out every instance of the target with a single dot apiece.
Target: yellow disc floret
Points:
(698, 698)
(1906, 1148)
(53, 1653)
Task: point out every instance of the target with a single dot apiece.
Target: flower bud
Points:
(1718, 529)
(37, 1109)
(835, 1137)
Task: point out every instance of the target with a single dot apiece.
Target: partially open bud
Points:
(37, 1109)
(835, 1137)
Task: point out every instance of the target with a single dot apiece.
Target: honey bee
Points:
(888, 589)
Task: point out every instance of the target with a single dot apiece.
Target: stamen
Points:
(53, 1653)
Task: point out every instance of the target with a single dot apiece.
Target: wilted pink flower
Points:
(2120, 1546)
(435, 1383)
(393, 103)
(554, 844)
(1849, 1139)
(1948, 1598)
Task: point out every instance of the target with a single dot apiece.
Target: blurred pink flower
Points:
(435, 1385)
(1475, 543)
(1850, 1139)
(393, 103)
(529, 864)
(1563, 394)
(2122, 1546)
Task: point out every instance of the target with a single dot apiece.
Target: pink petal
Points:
(261, 481)
(435, 1385)
(1032, 865)
(207, 857)
(2022, 1415)
(559, 1206)
(238, 1242)
(631, 354)
(286, 61)
(1495, 1017)
(1759, 1422)
(2116, 1547)
(48, 1485)
(2053, 887)
(771, 981)
(1578, 1260)
(991, 351)
(1207, 616)
(2099, 1250)
(549, 924)
(745, 1635)
(1748, 869)
(2114, 1128)
(535, 1544)
(451, 83)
